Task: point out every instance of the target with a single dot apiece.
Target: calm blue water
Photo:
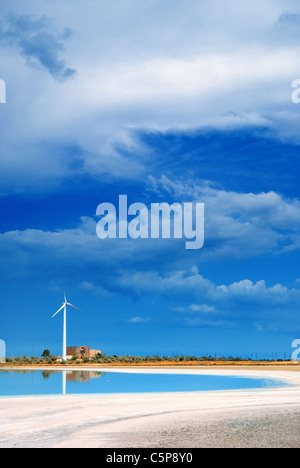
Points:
(19, 383)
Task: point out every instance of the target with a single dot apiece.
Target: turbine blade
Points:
(65, 297)
(58, 311)
(74, 306)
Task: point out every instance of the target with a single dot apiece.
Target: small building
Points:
(80, 352)
(94, 352)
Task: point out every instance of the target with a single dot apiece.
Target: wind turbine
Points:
(64, 307)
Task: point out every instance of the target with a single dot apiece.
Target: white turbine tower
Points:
(64, 307)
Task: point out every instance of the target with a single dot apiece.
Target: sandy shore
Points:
(248, 418)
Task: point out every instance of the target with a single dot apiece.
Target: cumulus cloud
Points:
(193, 284)
(229, 305)
(239, 224)
(34, 41)
(137, 269)
(78, 253)
(140, 68)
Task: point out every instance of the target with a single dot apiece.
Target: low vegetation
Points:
(49, 360)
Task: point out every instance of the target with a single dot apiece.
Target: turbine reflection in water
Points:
(78, 377)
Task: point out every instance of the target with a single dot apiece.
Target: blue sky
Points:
(164, 102)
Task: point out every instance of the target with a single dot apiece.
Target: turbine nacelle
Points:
(64, 304)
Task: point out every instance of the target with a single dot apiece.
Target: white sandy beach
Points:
(248, 418)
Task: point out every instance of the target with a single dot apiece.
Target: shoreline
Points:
(163, 364)
(295, 367)
(148, 420)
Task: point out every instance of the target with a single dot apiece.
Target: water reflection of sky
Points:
(48, 382)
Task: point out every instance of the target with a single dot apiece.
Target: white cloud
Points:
(134, 268)
(148, 66)
(198, 322)
(193, 284)
(94, 289)
(226, 306)
(239, 224)
(196, 309)
(236, 226)
(138, 320)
